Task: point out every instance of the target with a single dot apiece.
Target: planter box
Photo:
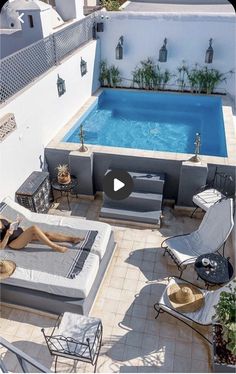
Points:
(220, 353)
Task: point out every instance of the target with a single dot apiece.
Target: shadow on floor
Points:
(134, 328)
(35, 351)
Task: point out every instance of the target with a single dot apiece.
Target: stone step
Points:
(141, 201)
(148, 182)
(151, 217)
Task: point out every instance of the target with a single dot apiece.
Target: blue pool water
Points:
(154, 121)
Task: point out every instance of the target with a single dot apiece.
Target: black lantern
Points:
(163, 52)
(119, 49)
(61, 87)
(100, 27)
(94, 30)
(83, 67)
(209, 53)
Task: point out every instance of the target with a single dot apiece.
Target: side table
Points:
(35, 193)
(219, 274)
(65, 188)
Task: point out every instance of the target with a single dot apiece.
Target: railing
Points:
(22, 358)
(22, 67)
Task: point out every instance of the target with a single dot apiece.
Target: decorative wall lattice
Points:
(22, 67)
(7, 125)
(69, 39)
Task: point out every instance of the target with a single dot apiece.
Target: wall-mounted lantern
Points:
(163, 52)
(83, 67)
(61, 86)
(119, 48)
(94, 31)
(100, 27)
(209, 53)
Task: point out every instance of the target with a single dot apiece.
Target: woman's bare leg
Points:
(30, 234)
(54, 236)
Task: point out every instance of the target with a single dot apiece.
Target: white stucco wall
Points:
(40, 113)
(46, 22)
(70, 9)
(188, 38)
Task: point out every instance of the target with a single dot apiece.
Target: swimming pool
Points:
(153, 121)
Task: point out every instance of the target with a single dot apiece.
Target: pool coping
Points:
(230, 135)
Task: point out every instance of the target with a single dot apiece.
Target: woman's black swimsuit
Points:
(5, 227)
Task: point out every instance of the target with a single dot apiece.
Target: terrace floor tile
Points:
(133, 340)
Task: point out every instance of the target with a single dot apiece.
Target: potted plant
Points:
(224, 332)
(63, 174)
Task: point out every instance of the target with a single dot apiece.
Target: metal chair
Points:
(216, 190)
(201, 317)
(210, 237)
(75, 337)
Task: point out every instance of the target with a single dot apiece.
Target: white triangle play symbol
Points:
(117, 184)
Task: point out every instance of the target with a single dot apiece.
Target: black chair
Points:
(75, 337)
(201, 317)
(213, 192)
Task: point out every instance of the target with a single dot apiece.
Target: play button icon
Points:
(117, 184)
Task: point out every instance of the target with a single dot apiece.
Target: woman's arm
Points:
(3, 243)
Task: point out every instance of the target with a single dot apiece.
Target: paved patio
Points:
(133, 340)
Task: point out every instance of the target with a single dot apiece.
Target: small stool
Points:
(75, 337)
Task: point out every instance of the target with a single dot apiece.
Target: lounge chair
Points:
(210, 237)
(202, 316)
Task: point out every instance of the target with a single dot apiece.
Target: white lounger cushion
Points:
(207, 198)
(210, 236)
(75, 225)
(78, 287)
(203, 315)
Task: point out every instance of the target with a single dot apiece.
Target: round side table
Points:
(65, 188)
(221, 272)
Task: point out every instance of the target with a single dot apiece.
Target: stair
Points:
(141, 201)
(144, 205)
(148, 182)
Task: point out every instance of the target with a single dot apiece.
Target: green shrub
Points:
(104, 76)
(204, 79)
(109, 76)
(182, 76)
(148, 75)
(111, 5)
(226, 316)
(115, 77)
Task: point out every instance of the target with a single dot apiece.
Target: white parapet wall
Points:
(40, 113)
(70, 9)
(187, 39)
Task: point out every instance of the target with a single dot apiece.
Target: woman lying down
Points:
(15, 237)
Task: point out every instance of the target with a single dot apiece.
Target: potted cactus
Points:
(224, 331)
(63, 174)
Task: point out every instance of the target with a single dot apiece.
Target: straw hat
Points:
(7, 268)
(185, 297)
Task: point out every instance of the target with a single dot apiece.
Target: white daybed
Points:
(52, 281)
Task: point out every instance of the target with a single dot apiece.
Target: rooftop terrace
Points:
(180, 6)
(133, 340)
